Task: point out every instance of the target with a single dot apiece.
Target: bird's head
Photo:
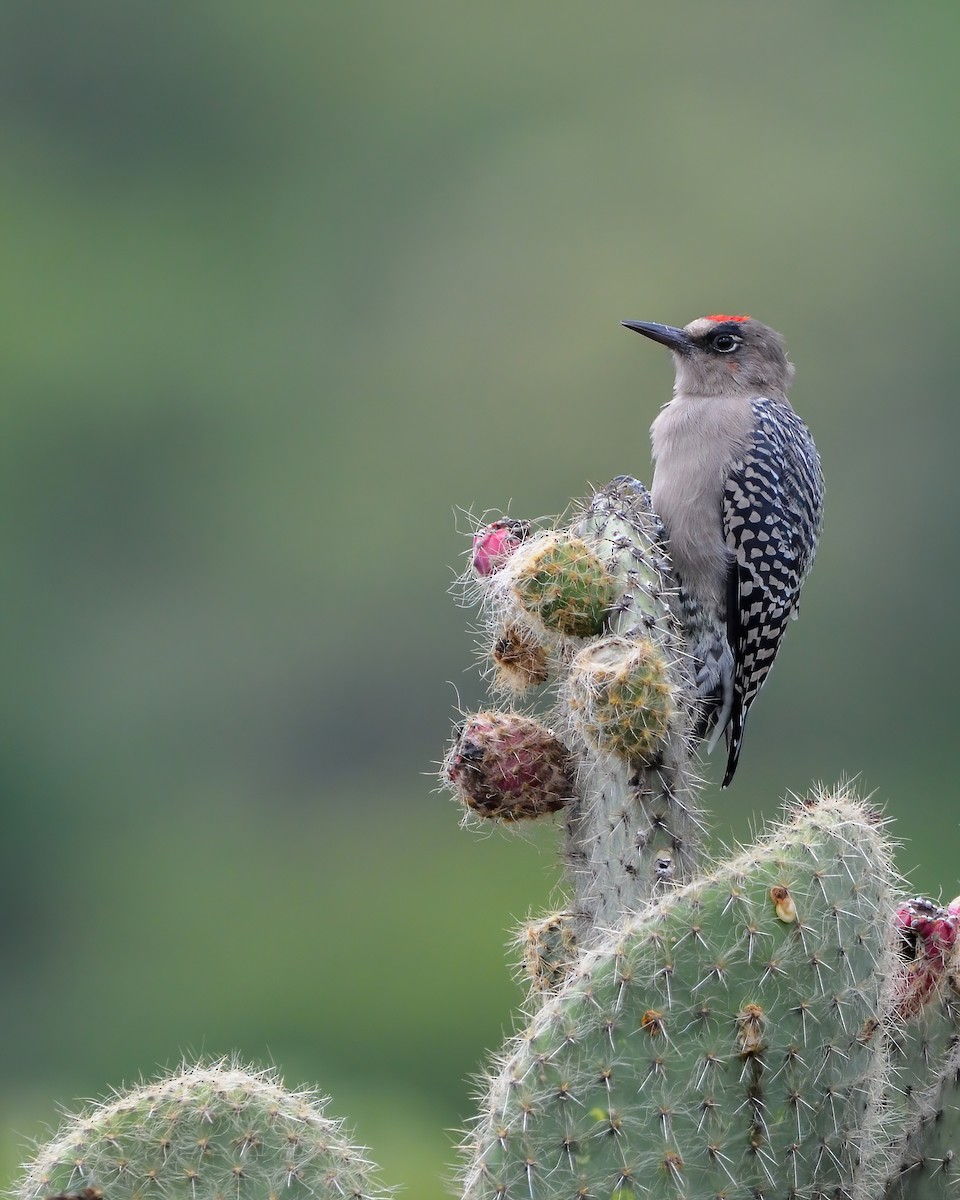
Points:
(724, 355)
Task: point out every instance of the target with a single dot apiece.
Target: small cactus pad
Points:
(708, 1047)
(508, 766)
(549, 946)
(561, 583)
(620, 695)
(208, 1133)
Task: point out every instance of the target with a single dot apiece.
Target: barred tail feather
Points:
(738, 720)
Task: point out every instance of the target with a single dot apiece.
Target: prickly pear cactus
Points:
(723, 1041)
(207, 1133)
(781, 1024)
(773, 1025)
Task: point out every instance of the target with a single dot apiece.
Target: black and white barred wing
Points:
(772, 513)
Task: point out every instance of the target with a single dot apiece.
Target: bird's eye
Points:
(725, 343)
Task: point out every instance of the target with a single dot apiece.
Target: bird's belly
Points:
(691, 516)
(694, 442)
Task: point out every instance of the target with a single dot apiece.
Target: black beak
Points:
(666, 335)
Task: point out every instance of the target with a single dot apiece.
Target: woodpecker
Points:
(738, 485)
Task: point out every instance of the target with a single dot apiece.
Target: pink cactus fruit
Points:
(927, 942)
(494, 543)
(509, 766)
(953, 958)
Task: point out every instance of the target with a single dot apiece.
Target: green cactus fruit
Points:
(508, 766)
(720, 1043)
(562, 585)
(549, 946)
(621, 697)
(210, 1132)
(520, 661)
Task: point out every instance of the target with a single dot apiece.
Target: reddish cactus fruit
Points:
(508, 766)
(927, 937)
(494, 543)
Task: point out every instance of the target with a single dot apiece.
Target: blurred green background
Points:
(283, 287)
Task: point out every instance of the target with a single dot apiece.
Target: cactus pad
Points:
(206, 1133)
(709, 1048)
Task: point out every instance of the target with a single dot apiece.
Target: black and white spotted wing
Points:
(772, 514)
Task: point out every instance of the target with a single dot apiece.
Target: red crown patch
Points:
(727, 317)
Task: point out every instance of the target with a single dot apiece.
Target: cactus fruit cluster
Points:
(609, 675)
(783, 1023)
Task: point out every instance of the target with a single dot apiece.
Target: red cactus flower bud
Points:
(927, 936)
(494, 543)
